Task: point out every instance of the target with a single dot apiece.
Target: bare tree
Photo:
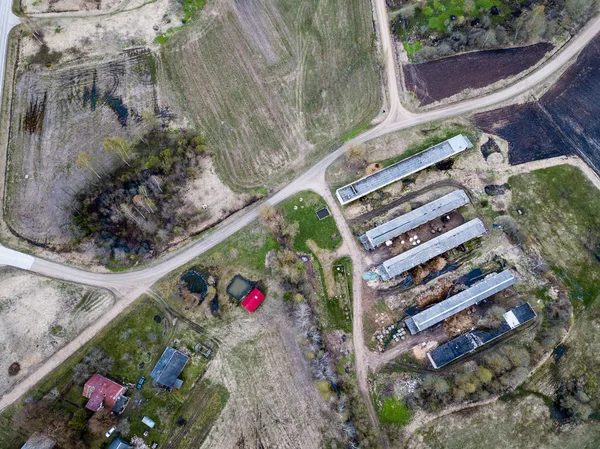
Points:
(101, 421)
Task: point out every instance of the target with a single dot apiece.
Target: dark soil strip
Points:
(435, 80)
(566, 120)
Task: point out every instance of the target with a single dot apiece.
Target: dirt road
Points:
(128, 286)
(7, 22)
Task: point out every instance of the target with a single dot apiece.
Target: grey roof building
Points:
(483, 289)
(404, 168)
(470, 341)
(417, 217)
(119, 443)
(169, 367)
(430, 249)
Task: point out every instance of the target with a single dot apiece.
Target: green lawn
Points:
(323, 232)
(561, 215)
(393, 411)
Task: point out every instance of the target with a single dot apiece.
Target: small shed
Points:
(253, 300)
(119, 443)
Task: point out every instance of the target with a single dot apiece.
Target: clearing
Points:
(38, 316)
(274, 85)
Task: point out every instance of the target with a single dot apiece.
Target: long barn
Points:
(415, 218)
(420, 161)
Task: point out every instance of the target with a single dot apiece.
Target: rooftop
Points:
(402, 169)
(39, 441)
(430, 249)
(483, 289)
(102, 392)
(421, 215)
(253, 300)
(470, 341)
(169, 367)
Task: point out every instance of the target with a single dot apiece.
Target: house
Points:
(39, 441)
(253, 300)
(103, 392)
(168, 368)
(119, 443)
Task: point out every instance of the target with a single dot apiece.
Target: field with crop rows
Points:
(274, 84)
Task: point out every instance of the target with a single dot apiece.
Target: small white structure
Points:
(150, 423)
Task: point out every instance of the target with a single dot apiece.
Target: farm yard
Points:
(435, 29)
(273, 86)
(470, 71)
(565, 118)
(38, 316)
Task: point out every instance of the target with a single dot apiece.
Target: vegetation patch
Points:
(557, 209)
(446, 27)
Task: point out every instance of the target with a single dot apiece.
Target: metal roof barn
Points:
(470, 341)
(430, 249)
(404, 168)
(169, 367)
(483, 289)
(417, 217)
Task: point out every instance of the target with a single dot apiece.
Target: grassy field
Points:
(273, 85)
(323, 232)
(393, 411)
(559, 214)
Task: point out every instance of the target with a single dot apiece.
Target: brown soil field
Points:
(274, 85)
(564, 121)
(38, 316)
(63, 6)
(434, 80)
(58, 114)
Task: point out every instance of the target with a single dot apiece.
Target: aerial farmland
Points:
(345, 224)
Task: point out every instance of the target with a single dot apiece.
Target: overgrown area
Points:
(138, 210)
(433, 29)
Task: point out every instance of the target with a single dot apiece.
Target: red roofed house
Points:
(103, 392)
(253, 300)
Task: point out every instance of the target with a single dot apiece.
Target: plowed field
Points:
(566, 120)
(442, 78)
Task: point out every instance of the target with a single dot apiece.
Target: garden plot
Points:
(58, 116)
(273, 85)
(39, 316)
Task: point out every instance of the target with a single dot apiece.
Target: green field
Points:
(560, 216)
(323, 232)
(393, 411)
(274, 85)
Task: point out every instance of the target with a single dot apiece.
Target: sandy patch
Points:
(38, 316)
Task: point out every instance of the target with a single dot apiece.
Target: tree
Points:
(494, 317)
(84, 160)
(119, 147)
(287, 264)
(101, 421)
(79, 421)
(290, 230)
(484, 375)
(271, 218)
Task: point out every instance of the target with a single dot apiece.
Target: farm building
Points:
(253, 300)
(415, 218)
(470, 341)
(430, 249)
(490, 285)
(119, 443)
(103, 392)
(402, 169)
(168, 368)
(39, 441)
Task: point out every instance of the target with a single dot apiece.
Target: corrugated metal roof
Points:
(470, 341)
(485, 288)
(406, 167)
(415, 218)
(168, 368)
(430, 249)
